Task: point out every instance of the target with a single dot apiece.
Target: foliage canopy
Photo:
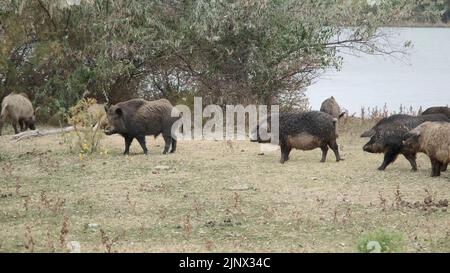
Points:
(227, 51)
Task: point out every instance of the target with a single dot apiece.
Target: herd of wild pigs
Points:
(407, 135)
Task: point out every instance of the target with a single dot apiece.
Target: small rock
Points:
(74, 247)
(91, 226)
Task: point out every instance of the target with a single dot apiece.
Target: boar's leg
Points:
(335, 149)
(412, 160)
(23, 128)
(174, 146)
(435, 168)
(444, 167)
(285, 151)
(141, 140)
(168, 141)
(14, 124)
(324, 153)
(128, 141)
(389, 157)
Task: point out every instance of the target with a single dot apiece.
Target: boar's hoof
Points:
(382, 168)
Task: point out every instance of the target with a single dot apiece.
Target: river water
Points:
(421, 78)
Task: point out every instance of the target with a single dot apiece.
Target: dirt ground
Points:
(213, 197)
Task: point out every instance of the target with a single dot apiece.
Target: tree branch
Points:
(48, 14)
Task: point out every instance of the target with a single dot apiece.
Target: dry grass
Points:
(213, 198)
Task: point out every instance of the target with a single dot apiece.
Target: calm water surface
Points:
(422, 79)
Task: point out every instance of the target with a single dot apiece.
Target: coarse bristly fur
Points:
(331, 107)
(19, 110)
(304, 131)
(383, 122)
(433, 139)
(138, 118)
(388, 137)
(437, 110)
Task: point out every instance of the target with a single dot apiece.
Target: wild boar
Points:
(388, 139)
(433, 139)
(437, 110)
(138, 118)
(331, 107)
(19, 110)
(303, 131)
(384, 122)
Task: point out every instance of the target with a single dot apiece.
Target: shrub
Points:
(86, 137)
(380, 241)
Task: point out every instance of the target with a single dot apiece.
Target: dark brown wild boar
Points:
(302, 131)
(138, 118)
(388, 134)
(19, 110)
(437, 110)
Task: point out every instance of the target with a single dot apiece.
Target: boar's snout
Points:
(373, 147)
(368, 148)
(109, 130)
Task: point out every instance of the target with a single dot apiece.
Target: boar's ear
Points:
(369, 133)
(119, 111)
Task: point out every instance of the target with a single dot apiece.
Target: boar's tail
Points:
(335, 121)
(4, 109)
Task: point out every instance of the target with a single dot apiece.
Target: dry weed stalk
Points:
(131, 203)
(107, 242)
(29, 240)
(50, 244)
(64, 231)
(382, 201)
(187, 226)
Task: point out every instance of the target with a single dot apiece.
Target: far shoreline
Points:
(418, 25)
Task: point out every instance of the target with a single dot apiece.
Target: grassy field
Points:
(215, 197)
